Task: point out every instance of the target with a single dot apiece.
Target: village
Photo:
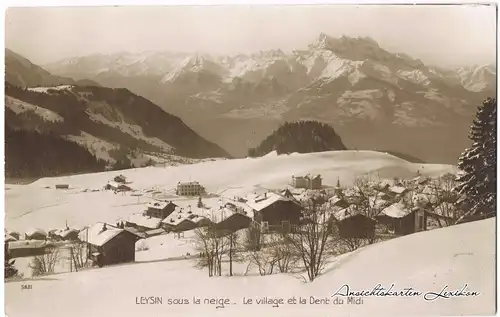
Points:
(367, 212)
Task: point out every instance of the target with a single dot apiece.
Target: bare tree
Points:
(264, 261)
(315, 242)
(211, 247)
(44, 264)
(277, 256)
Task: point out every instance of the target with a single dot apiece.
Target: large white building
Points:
(190, 189)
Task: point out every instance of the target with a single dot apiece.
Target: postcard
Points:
(243, 160)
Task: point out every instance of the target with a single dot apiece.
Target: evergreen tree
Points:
(477, 180)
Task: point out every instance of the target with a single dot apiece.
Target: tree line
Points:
(300, 137)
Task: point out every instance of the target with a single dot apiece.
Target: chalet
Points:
(25, 248)
(120, 179)
(383, 195)
(160, 209)
(178, 222)
(231, 217)
(286, 193)
(35, 234)
(402, 220)
(109, 245)
(143, 223)
(9, 238)
(15, 234)
(190, 189)
(62, 186)
(66, 234)
(351, 223)
(308, 181)
(117, 187)
(275, 212)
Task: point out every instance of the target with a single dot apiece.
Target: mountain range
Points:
(114, 125)
(374, 98)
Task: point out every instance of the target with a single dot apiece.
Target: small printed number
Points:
(26, 286)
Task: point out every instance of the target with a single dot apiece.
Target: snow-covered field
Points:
(426, 261)
(40, 205)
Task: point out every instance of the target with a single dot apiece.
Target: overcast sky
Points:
(441, 35)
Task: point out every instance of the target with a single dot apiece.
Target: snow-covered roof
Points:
(376, 202)
(421, 179)
(97, 236)
(334, 200)
(262, 201)
(396, 210)
(176, 218)
(345, 213)
(33, 231)
(239, 207)
(144, 221)
(308, 176)
(117, 185)
(397, 189)
(9, 238)
(157, 204)
(63, 233)
(188, 183)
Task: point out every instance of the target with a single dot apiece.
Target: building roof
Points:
(9, 238)
(97, 236)
(397, 210)
(334, 200)
(397, 189)
(117, 185)
(63, 233)
(175, 218)
(265, 200)
(308, 176)
(144, 221)
(376, 202)
(33, 231)
(188, 183)
(346, 213)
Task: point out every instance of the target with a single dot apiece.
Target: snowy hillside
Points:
(112, 124)
(49, 208)
(426, 262)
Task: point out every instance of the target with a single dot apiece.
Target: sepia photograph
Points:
(250, 160)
